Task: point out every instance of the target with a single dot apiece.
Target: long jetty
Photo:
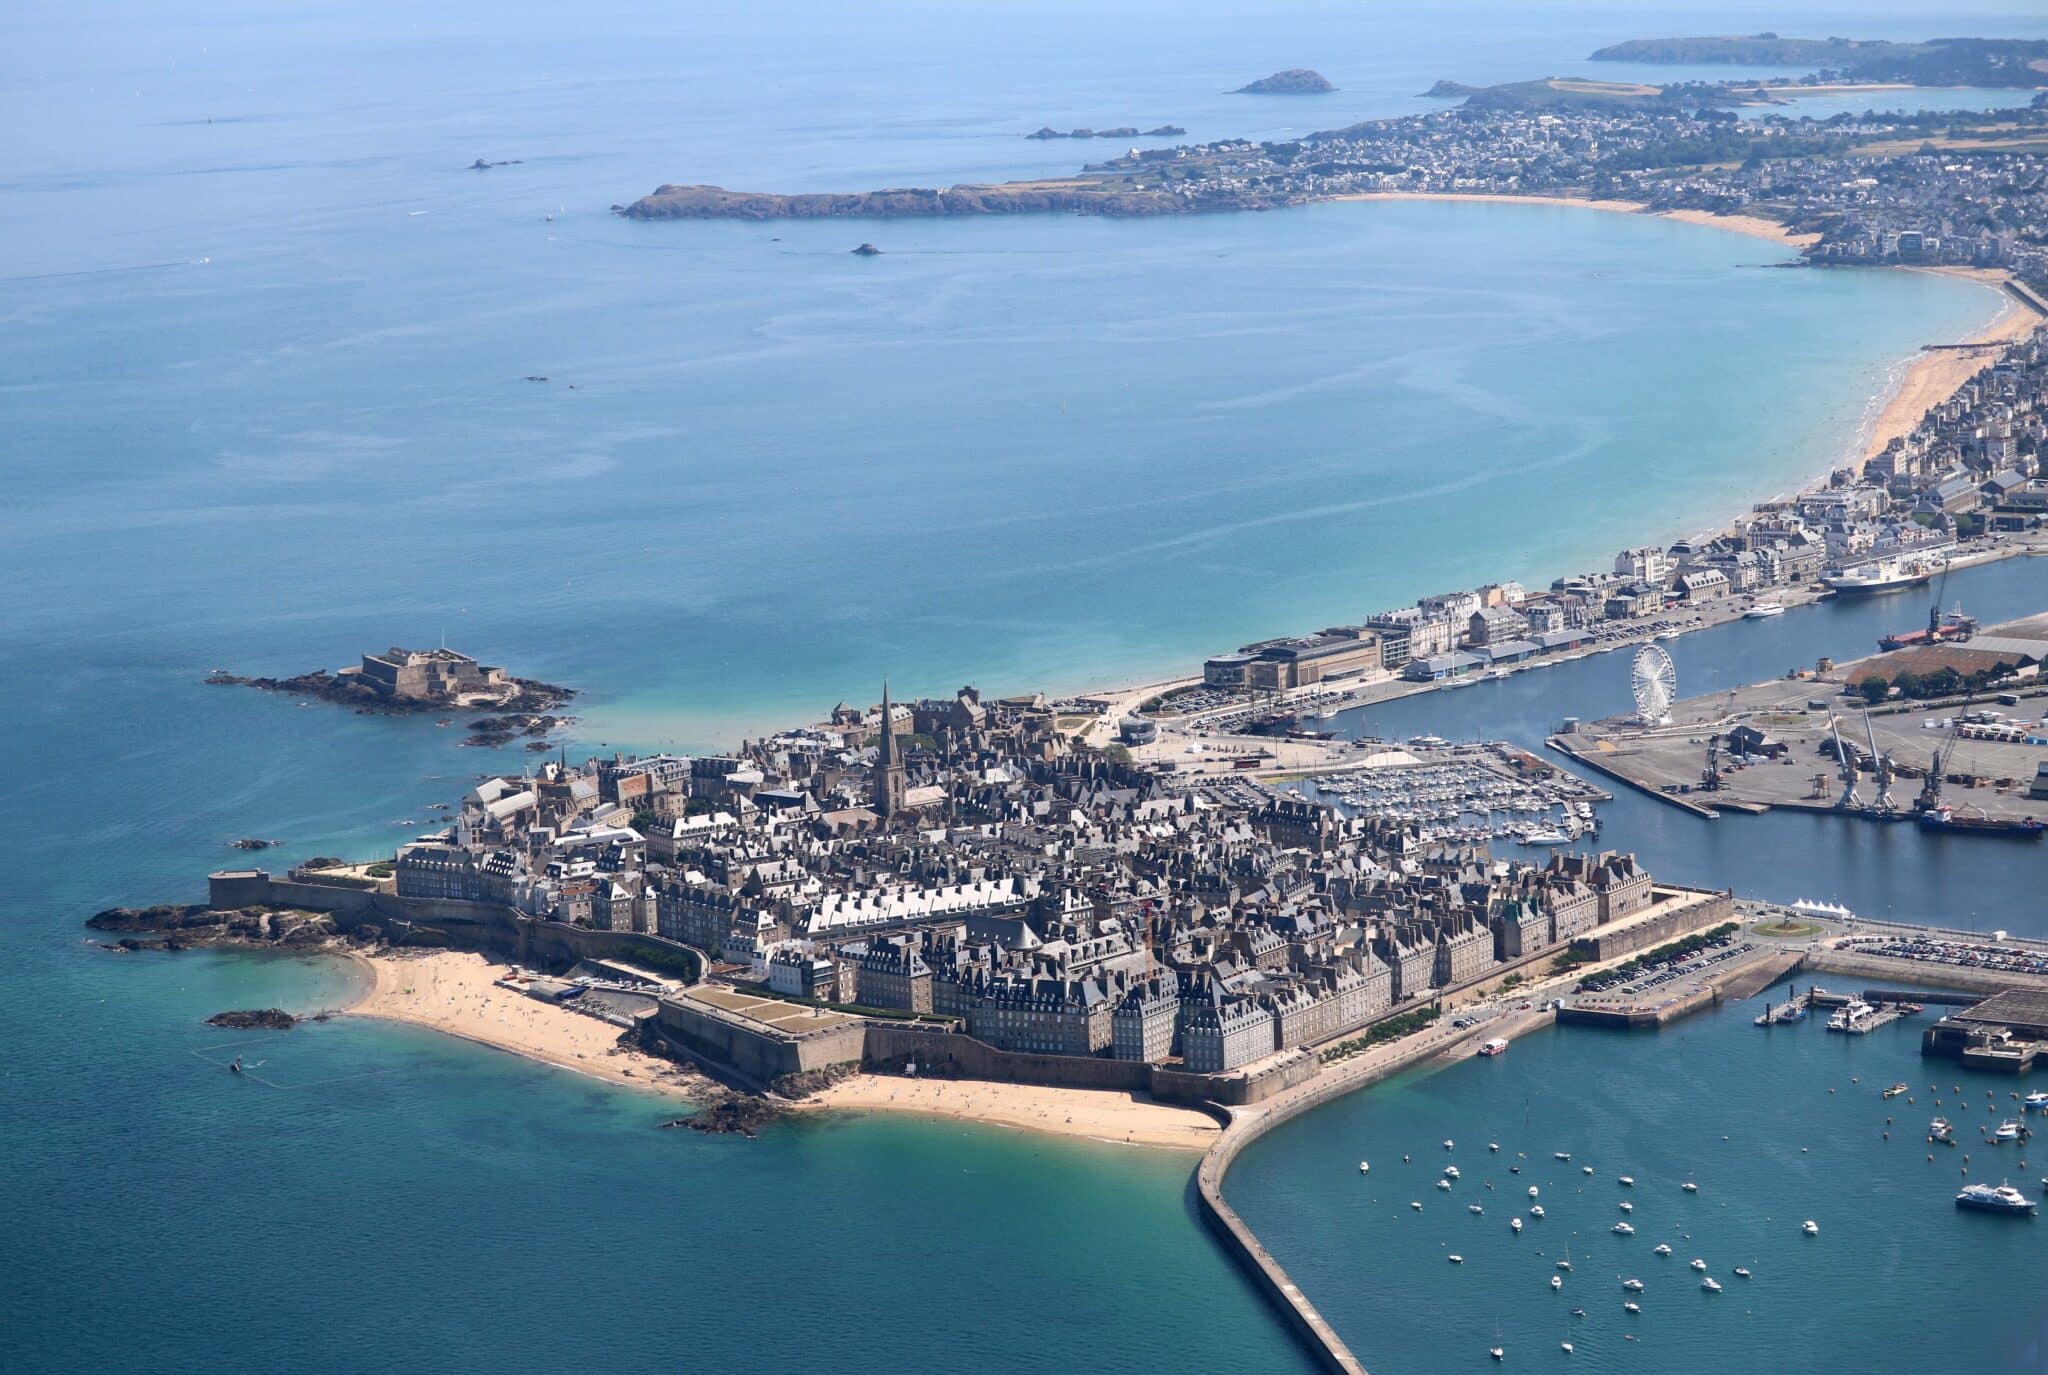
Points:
(1244, 1126)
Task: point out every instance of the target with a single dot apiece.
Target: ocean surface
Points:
(257, 412)
(1776, 1127)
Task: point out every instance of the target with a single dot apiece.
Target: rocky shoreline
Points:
(195, 926)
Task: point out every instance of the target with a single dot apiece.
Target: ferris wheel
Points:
(1653, 678)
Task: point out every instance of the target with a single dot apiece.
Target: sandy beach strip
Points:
(454, 992)
(1932, 377)
(1097, 1114)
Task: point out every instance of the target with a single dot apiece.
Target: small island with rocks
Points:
(1293, 81)
(402, 682)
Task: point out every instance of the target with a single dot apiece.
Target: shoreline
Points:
(455, 993)
(1912, 386)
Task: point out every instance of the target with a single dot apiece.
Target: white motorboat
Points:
(1532, 1191)
(1557, 1281)
(1627, 1207)
(1663, 1248)
(1633, 1286)
(1443, 1184)
(1696, 1263)
(1514, 1224)
(1622, 1229)
(1474, 1208)
(1451, 1172)
(1711, 1285)
(1690, 1187)
(1364, 1168)
(1631, 1307)
(1627, 1181)
(1537, 1212)
(1763, 611)
(1455, 1260)
(1810, 1227)
(1742, 1272)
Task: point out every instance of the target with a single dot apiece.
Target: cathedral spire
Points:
(888, 763)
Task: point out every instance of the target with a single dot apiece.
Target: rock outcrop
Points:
(1293, 81)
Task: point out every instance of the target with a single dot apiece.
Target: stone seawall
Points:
(1243, 1128)
(890, 1044)
(454, 924)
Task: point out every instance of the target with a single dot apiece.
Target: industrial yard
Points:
(1844, 738)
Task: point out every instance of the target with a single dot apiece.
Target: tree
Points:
(1874, 689)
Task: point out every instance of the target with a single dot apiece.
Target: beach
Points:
(454, 992)
(1097, 1114)
(1932, 377)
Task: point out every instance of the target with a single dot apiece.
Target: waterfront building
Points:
(1143, 1025)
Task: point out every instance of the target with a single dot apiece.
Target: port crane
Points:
(1710, 777)
(1885, 772)
(1944, 755)
(1849, 800)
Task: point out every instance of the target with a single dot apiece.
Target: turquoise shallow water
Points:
(1897, 1278)
(1015, 452)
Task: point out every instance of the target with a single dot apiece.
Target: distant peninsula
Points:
(1121, 131)
(1293, 81)
(1986, 62)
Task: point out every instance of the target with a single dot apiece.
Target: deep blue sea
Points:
(264, 342)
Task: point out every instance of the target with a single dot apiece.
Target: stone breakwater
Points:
(1244, 1127)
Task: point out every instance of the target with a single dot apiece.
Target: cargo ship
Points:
(1946, 627)
(1947, 819)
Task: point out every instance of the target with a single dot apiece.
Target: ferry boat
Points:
(1763, 611)
(1885, 575)
(2003, 1199)
(1494, 1047)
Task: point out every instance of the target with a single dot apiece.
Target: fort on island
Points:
(401, 680)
